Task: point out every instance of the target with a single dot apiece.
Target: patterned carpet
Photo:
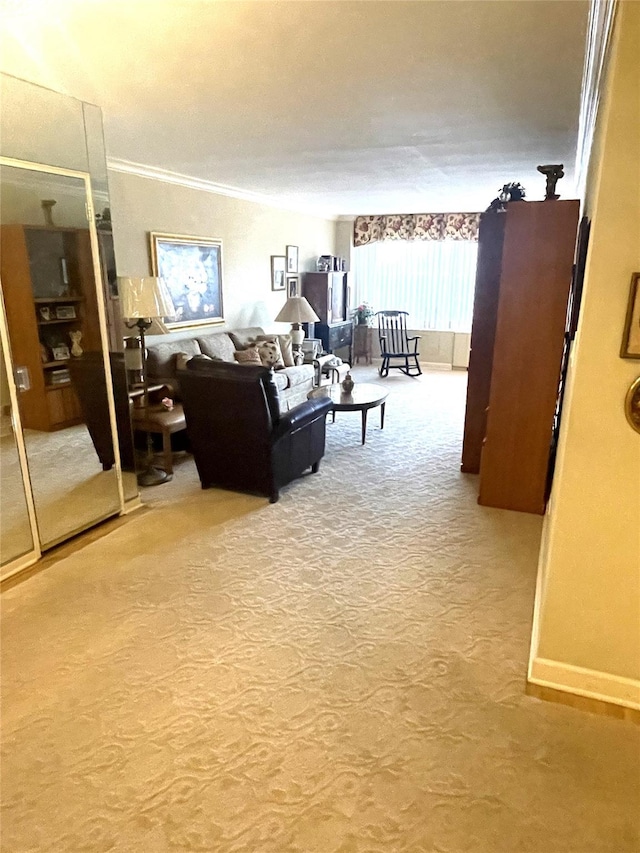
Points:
(342, 672)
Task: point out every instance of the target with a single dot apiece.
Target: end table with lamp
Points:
(143, 299)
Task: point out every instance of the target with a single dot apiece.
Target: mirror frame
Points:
(82, 155)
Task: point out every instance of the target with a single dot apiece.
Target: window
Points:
(431, 279)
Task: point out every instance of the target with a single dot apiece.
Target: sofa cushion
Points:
(297, 375)
(218, 344)
(281, 379)
(248, 356)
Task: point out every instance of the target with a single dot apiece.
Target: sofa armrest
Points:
(301, 415)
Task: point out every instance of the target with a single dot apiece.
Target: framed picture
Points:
(65, 312)
(292, 259)
(631, 338)
(293, 285)
(60, 352)
(192, 271)
(278, 266)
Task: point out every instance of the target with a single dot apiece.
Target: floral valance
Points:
(416, 226)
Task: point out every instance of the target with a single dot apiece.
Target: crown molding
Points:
(599, 30)
(155, 173)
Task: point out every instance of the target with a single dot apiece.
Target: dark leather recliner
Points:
(89, 383)
(238, 437)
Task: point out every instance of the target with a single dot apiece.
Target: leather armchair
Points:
(238, 437)
(89, 383)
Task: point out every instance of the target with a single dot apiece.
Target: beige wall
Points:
(589, 602)
(250, 234)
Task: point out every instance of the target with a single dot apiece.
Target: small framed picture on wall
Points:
(292, 259)
(278, 266)
(293, 285)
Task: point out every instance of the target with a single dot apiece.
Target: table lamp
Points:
(296, 310)
(144, 299)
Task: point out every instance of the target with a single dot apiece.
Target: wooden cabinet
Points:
(517, 342)
(336, 336)
(485, 315)
(328, 293)
(49, 290)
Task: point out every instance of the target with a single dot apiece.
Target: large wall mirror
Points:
(71, 457)
(15, 524)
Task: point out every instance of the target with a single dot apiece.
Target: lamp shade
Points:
(297, 310)
(144, 297)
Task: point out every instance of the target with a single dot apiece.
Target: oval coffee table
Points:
(363, 397)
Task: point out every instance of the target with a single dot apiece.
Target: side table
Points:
(362, 342)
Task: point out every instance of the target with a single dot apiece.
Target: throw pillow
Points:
(248, 356)
(181, 360)
(284, 342)
(270, 354)
(286, 349)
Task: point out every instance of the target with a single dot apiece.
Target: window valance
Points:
(415, 226)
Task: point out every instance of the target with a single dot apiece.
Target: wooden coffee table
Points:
(363, 397)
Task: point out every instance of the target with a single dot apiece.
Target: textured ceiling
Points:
(342, 107)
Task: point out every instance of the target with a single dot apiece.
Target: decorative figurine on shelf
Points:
(347, 384)
(553, 173)
(76, 337)
(509, 192)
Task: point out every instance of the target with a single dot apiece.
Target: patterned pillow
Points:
(248, 356)
(270, 354)
(284, 342)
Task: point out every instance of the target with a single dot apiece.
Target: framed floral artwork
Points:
(192, 270)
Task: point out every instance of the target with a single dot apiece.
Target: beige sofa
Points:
(293, 383)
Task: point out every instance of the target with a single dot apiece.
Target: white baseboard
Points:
(435, 365)
(585, 682)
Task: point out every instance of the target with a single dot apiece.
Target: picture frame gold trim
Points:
(630, 347)
(192, 270)
(632, 405)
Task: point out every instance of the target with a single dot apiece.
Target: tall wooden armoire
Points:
(525, 263)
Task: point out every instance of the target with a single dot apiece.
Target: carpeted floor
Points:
(342, 672)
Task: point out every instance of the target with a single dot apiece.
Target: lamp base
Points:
(153, 477)
(297, 335)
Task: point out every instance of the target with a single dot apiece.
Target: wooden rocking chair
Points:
(396, 345)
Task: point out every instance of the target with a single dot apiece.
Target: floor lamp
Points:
(143, 300)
